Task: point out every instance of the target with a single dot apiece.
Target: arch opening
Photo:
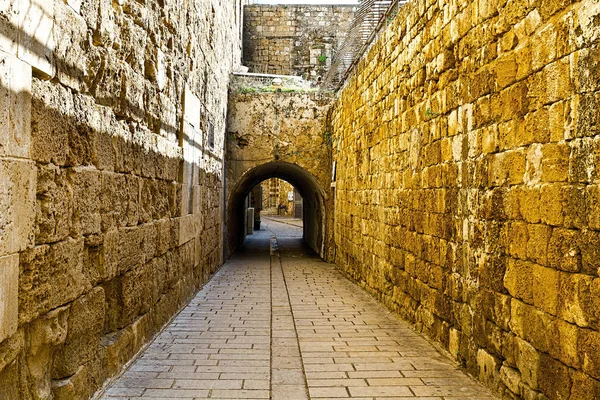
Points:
(313, 208)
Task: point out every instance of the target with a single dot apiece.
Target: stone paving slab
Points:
(284, 325)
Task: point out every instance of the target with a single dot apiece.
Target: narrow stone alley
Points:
(277, 322)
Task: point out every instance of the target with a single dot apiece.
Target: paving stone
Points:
(289, 330)
(289, 392)
(124, 392)
(240, 394)
(383, 391)
(175, 393)
(320, 392)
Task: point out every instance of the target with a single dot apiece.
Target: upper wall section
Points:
(468, 185)
(293, 40)
(112, 120)
(284, 135)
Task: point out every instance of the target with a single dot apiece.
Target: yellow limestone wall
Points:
(467, 197)
(111, 191)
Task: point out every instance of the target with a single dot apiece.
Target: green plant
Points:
(328, 138)
(322, 58)
(247, 90)
(391, 17)
(431, 114)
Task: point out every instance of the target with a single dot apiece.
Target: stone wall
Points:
(467, 198)
(280, 135)
(111, 180)
(293, 40)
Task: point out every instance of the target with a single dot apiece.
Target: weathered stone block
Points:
(108, 92)
(84, 382)
(154, 203)
(168, 128)
(36, 35)
(584, 386)
(586, 120)
(593, 196)
(531, 324)
(511, 378)
(189, 227)
(45, 335)
(497, 308)
(10, 349)
(554, 379)
(555, 162)
(17, 205)
(128, 248)
(546, 284)
(51, 122)
(10, 385)
(528, 360)
(519, 279)
(132, 95)
(129, 296)
(589, 348)
(489, 367)
(196, 199)
(537, 243)
(70, 55)
(588, 242)
(85, 326)
(588, 31)
(563, 343)
(9, 297)
(131, 36)
(551, 205)
(563, 250)
(164, 236)
(50, 276)
(587, 76)
(86, 187)
(121, 346)
(15, 107)
(191, 108)
(119, 200)
(9, 30)
(575, 298)
(105, 29)
(54, 205)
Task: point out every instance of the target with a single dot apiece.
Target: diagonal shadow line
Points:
(92, 143)
(15, 34)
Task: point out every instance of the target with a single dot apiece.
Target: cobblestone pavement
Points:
(285, 325)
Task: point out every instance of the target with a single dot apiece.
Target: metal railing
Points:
(371, 17)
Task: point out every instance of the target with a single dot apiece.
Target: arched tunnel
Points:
(310, 190)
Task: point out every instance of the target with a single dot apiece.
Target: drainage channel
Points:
(288, 379)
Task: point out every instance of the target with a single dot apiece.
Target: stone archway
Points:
(280, 135)
(314, 210)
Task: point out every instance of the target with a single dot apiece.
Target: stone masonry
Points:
(468, 162)
(465, 191)
(293, 39)
(111, 162)
(288, 132)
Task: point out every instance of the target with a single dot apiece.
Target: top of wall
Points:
(294, 39)
(313, 6)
